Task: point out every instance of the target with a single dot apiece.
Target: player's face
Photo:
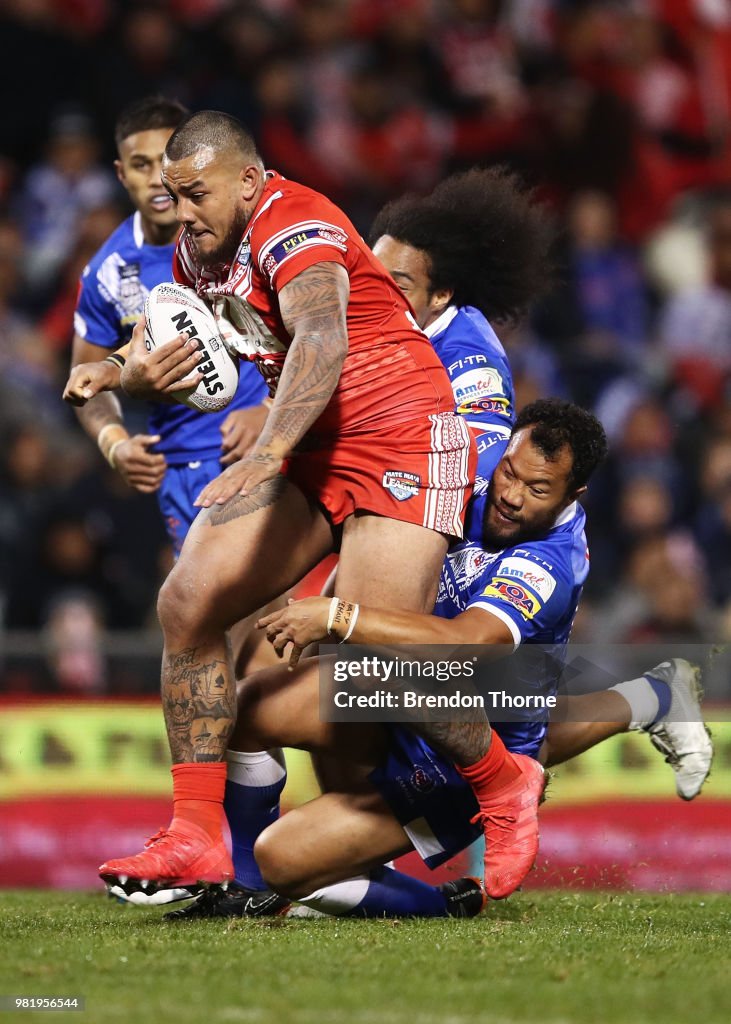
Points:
(214, 198)
(410, 268)
(139, 168)
(527, 493)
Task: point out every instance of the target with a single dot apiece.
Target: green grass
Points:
(543, 958)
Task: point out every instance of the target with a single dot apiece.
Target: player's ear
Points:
(576, 495)
(250, 178)
(441, 298)
(119, 169)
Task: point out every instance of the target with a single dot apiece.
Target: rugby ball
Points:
(172, 309)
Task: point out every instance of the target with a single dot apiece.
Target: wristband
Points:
(354, 619)
(116, 359)
(121, 435)
(112, 450)
(331, 616)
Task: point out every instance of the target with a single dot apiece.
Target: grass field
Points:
(544, 958)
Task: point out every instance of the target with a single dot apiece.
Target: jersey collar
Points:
(442, 322)
(566, 516)
(137, 232)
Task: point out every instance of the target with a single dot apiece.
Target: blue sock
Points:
(254, 786)
(663, 694)
(382, 893)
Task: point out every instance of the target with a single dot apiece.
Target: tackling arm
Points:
(318, 619)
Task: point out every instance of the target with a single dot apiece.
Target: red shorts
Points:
(419, 471)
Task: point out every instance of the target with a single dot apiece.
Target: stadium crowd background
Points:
(616, 113)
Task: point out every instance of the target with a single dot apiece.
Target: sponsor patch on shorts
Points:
(401, 485)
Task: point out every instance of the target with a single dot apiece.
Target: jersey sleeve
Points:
(95, 318)
(528, 594)
(295, 233)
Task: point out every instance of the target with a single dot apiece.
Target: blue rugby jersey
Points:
(534, 588)
(480, 376)
(112, 293)
(482, 383)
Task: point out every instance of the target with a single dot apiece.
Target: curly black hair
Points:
(486, 238)
(557, 423)
(148, 114)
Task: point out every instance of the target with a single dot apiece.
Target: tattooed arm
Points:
(313, 306)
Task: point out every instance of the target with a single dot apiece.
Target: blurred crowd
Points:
(616, 113)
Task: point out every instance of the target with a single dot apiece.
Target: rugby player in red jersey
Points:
(361, 451)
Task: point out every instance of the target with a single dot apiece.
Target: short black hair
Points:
(148, 114)
(210, 128)
(556, 424)
(486, 238)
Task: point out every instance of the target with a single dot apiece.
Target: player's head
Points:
(141, 133)
(213, 172)
(477, 240)
(554, 448)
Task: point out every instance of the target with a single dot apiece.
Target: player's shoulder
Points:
(123, 241)
(288, 208)
(559, 558)
(466, 323)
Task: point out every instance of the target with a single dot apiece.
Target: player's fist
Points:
(158, 374)
(89, 379)
(140, 468)
(240, 432)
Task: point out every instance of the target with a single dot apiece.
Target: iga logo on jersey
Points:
(401, 485)
(518, 596)
(529, 573)
(477, 384)
(498, 406)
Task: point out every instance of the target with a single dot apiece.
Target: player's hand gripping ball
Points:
(173, 309)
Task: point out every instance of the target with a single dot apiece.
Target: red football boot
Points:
(509, 817)
(183, 857)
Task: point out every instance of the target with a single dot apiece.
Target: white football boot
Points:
(682, 735)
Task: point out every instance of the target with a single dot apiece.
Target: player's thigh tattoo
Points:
(264, 495)
(200, 709)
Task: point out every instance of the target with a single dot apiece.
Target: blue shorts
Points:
(429, 798)
(180, 487)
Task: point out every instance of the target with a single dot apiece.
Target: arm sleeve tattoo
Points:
(313, 307)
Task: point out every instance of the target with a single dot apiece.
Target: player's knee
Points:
(278, 865)
(182, 608)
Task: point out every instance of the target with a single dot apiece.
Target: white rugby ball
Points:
(173, 309)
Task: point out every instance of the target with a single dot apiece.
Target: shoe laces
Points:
(501, 824)
(160, 834)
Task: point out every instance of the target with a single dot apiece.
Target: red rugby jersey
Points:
(391, 369)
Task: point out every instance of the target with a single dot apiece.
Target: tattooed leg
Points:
(462, 742)
(235, 559)
(200, 712)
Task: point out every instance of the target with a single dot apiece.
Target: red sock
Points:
(198, 795)
(493, 771)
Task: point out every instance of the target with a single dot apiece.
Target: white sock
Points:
(642, 699)
(338, 898)
(258, 769)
